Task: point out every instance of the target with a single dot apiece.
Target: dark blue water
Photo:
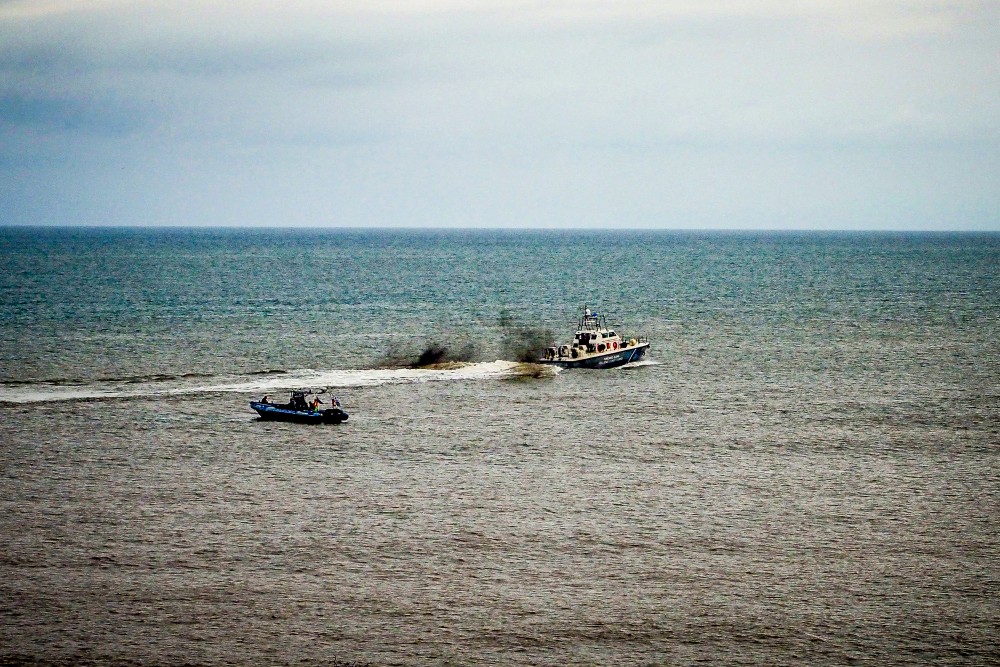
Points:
(805, 471)
(84, 304)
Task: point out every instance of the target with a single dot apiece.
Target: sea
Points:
(805, 469)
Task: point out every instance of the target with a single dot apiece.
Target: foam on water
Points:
(42, 391)
(642, 362)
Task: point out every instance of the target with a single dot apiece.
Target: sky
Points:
(622, 114)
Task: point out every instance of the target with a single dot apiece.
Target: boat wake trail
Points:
(35, 392)
(642, 362)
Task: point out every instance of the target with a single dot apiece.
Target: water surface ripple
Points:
(808, 473)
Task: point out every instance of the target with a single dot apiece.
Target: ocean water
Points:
(805, 470)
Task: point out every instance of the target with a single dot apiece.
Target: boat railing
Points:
(639, 340)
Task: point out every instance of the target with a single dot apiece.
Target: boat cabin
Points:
(593, 337)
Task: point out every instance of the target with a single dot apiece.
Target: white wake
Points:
(298, 379)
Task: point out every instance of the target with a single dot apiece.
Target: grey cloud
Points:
(487, 119)
(92, 116)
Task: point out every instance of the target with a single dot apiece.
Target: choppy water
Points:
(806, 472)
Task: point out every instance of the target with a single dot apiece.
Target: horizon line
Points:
(431, 228)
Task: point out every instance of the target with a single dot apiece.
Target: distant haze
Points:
(769, 114)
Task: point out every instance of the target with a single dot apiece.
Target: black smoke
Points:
(522, 343)
(431, 353)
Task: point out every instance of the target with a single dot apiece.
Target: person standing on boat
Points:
(315, 404)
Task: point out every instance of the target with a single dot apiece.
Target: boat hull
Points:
(279, 413)
(620, 357)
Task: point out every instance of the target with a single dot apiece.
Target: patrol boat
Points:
(596, 346)
(299, 411)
